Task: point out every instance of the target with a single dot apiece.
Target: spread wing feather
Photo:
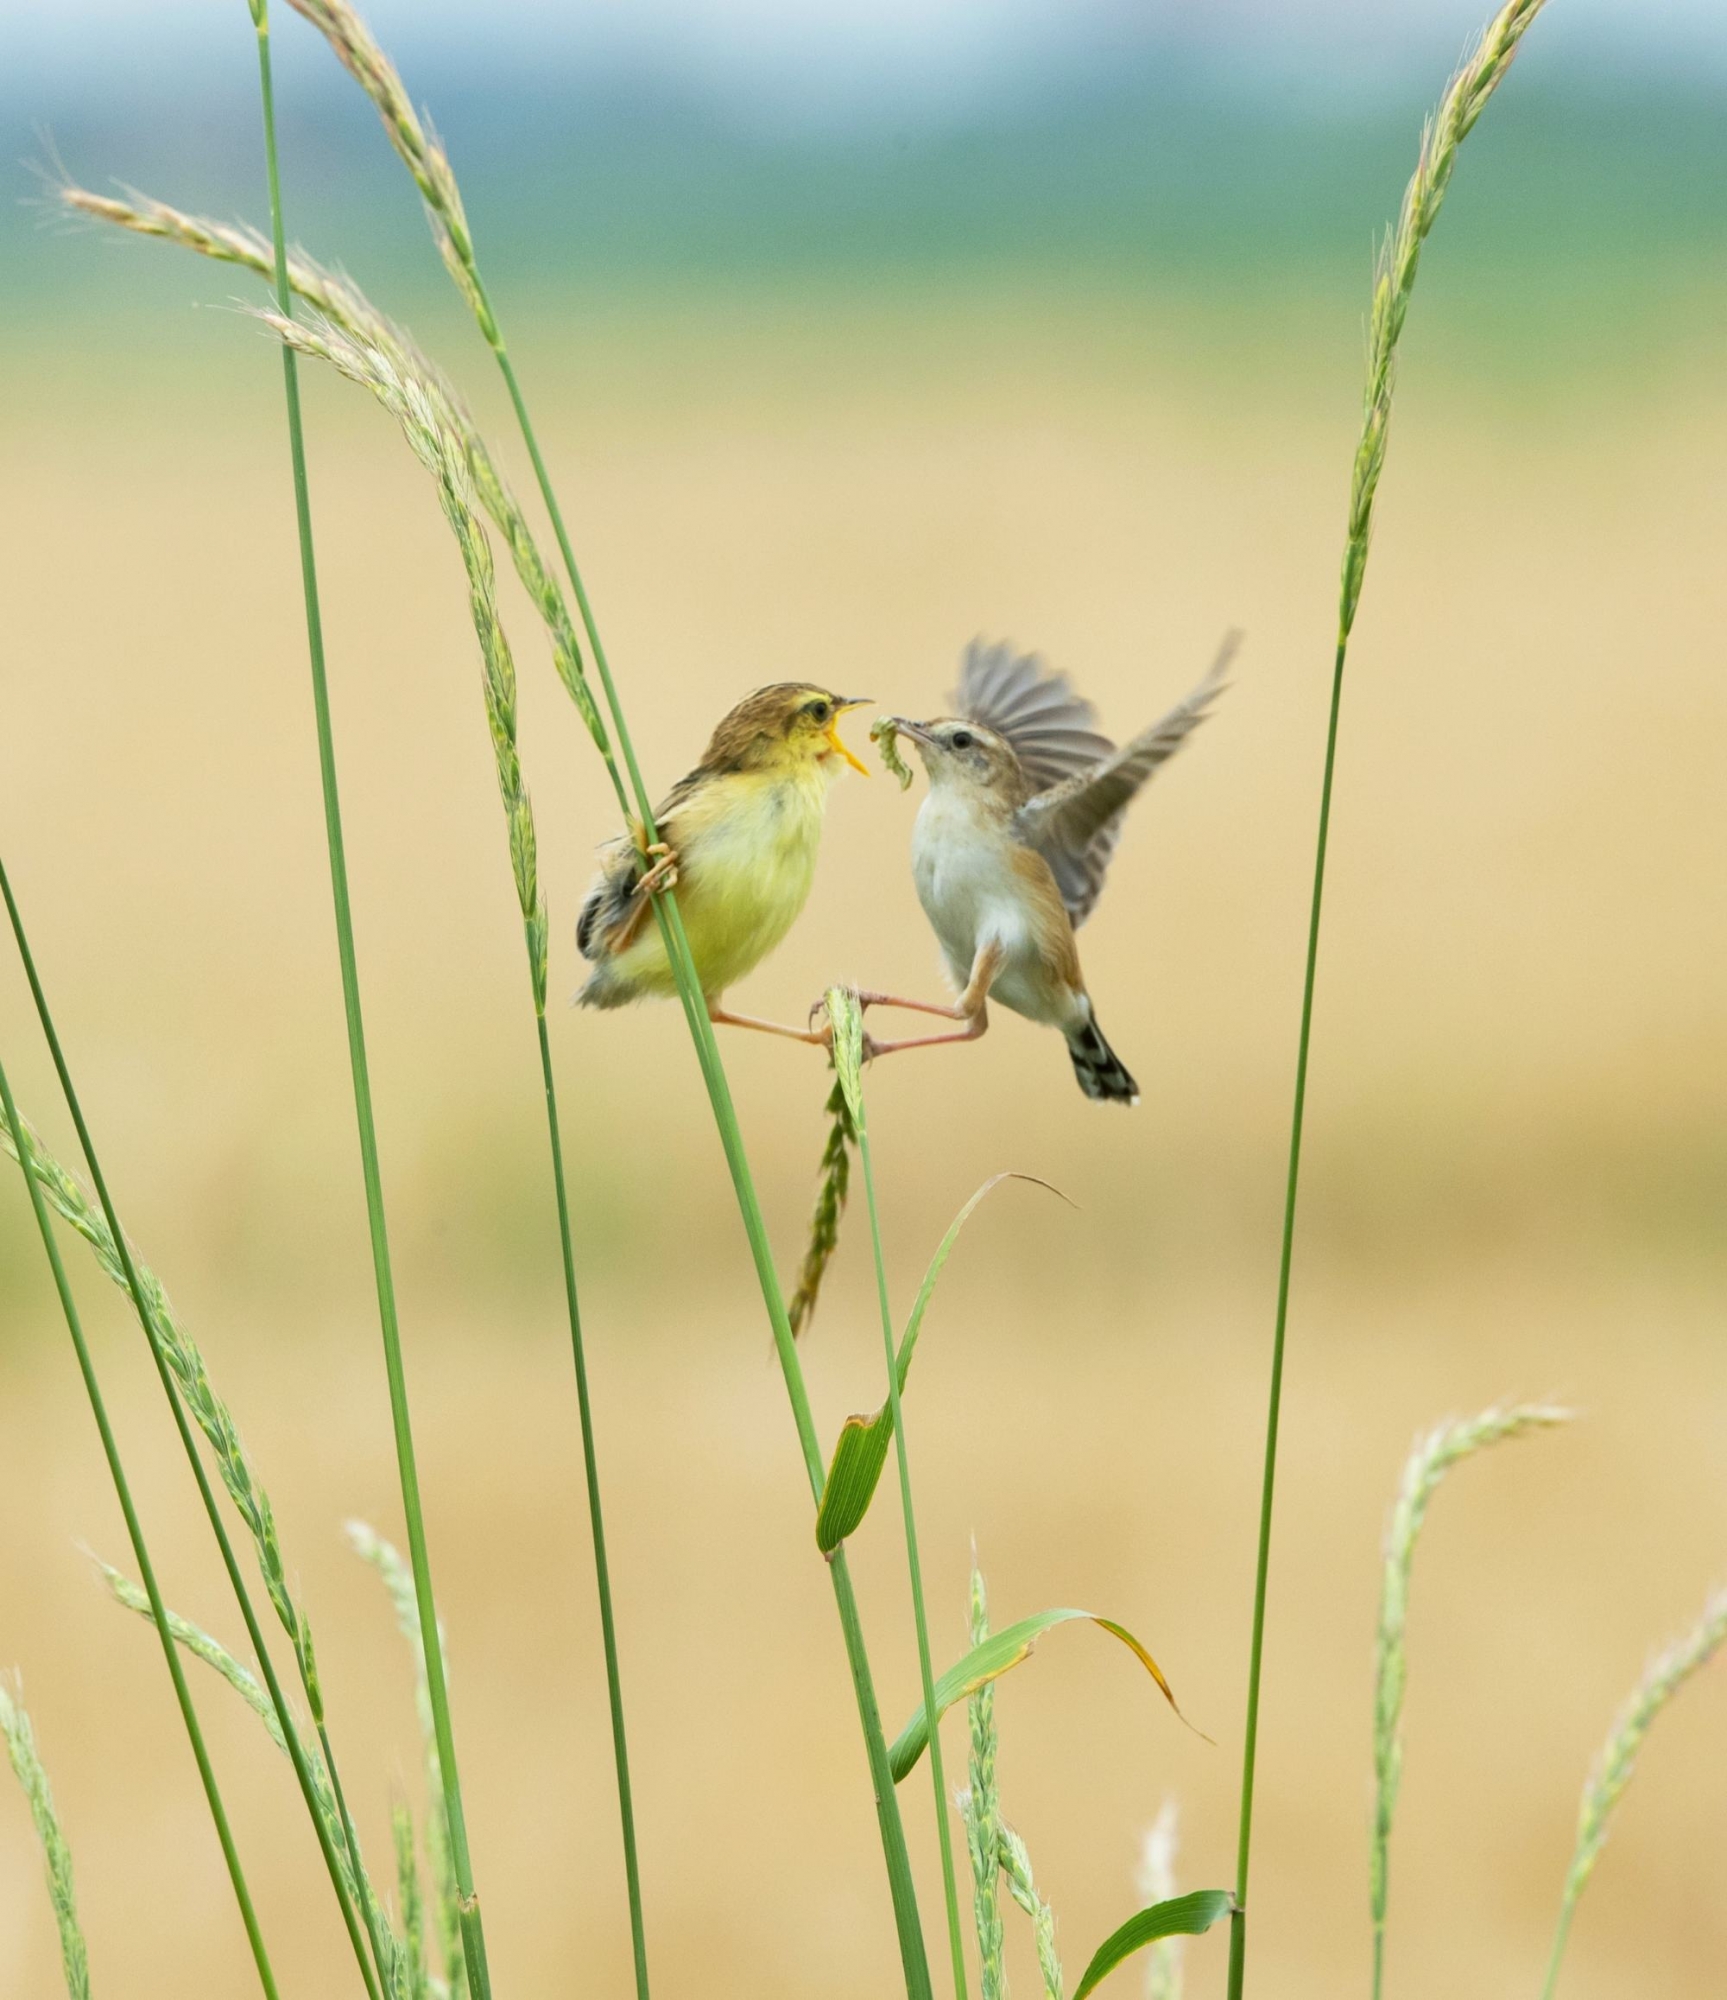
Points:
(1075, 823)
(1048, 726)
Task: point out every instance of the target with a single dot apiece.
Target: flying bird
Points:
(738, 840)
(1014, 837)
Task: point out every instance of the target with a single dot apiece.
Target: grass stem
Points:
(596, 1520)
(473, 1930)
(218, 1528)
(1465, 98)
(140, 1552)
(848, 1036)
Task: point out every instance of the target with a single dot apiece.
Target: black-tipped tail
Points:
(1102, 1073)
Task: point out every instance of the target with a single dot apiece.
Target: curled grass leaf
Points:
(861, 1449)
(1000, 1653)
(1181, 1916)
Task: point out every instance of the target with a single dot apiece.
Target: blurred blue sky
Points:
(1209, 151)
(779, 62)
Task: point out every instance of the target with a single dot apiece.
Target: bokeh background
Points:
(854, 332)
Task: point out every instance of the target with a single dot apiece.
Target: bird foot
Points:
(664, 872)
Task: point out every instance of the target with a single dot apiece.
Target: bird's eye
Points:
(962, 739)
(819, 711)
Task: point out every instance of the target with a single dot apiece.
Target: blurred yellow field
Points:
(1515, 1168)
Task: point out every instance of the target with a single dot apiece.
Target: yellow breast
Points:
(746, 846)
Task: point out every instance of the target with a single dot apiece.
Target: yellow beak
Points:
(833, 729)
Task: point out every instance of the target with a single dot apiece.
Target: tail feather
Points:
(1102, 1074)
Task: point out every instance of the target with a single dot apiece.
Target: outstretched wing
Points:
(1075, 824)
(1048, 726)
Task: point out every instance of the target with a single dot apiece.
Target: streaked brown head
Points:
(957, 751)
(787, 724)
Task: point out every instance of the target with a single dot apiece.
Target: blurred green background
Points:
(851, 336)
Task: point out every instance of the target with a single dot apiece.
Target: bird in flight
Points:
(1013, 840)
(738, 840)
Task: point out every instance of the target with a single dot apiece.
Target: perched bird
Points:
(738, 840)
(1012, 841)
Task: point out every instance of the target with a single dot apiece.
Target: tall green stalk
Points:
(140, 1553)
(596, 1521)
(218, 1528)
(847, 1022)
(425, 160)
(473, 1930)
(1464, 100)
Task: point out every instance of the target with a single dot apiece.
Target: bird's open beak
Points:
(841, 704)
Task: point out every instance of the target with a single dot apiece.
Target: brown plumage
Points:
(1014, 839)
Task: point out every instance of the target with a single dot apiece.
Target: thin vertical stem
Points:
(473, 1931)
(140, 1553)
(914, 1566)
(152, 1334)
(1464, 99)
(596, 1520)
(1250, 1737)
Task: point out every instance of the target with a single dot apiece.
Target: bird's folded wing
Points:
(1048, 726)
(1074, 825)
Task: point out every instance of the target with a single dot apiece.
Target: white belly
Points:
(966, 883)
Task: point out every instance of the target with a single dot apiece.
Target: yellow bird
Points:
(1024, 809)
(738, 841)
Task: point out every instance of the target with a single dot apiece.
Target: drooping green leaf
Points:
(1181, 1916)
(861, 1450)
(997, 1655)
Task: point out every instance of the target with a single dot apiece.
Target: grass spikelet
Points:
(340, 301)
(398, 1582)
(419, 147)
(1016, 1870)
(980, 1810)
(56, 1855)
(1394, 280)
(1461, 105)
(415, 1985)
(67, 1197)
(831, 1193)
(344, 1845)
(1615, 1767)
(1155, 1881)
(1433, 1457)
(421, 412)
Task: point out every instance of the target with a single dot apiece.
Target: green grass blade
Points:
(1000, 1653)
(861, 1449)
(473, 1928)
(847, 1019)
(20, 1148)
(1182, 1916)
(1461, 106)
(56, 1855)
